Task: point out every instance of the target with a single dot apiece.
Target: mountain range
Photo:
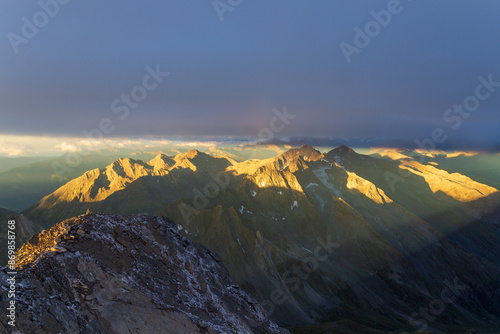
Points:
(23, 185)
(322, 237)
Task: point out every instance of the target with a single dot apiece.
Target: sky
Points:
(383, 72)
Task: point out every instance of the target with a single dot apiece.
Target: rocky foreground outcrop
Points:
(113, 274)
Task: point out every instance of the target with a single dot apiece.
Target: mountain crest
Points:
(161, 161)
(342, 154)
(134, 274)
(307, 152)
(342, 150)
(191, 154)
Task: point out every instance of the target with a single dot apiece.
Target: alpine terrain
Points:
(394, 241)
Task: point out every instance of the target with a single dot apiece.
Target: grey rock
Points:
(153, 281)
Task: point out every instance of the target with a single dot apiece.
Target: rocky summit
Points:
(113, 274)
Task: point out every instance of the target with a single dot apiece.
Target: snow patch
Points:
(242, 208)
(307, 250)
(338, 160)
(320, 173)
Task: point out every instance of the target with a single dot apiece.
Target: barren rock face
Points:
(114, 274)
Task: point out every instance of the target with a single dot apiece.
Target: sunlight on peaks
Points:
(465, 154)
(430, 153)
(367, 188)
(393, 154)
(457, 186)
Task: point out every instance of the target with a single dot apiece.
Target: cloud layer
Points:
(227, 76)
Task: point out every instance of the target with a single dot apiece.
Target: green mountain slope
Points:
(22, 186)
(321, 237)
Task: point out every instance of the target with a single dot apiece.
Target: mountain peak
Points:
(190, 154)
(306, 151)
(160, 156)
(345, 149)
(341, 151)
(161, 161)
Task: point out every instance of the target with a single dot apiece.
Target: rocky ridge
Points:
(112, 274)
